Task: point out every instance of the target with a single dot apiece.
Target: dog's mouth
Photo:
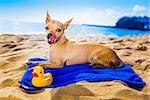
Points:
(51, 38)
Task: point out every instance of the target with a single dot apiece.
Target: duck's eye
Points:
(41, 72)
(46, 28)
(58, 30)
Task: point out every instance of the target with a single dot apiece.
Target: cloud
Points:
(91, 15)
(86, 15)
(106, 16)
(138, 8)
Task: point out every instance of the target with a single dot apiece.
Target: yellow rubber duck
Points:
(39, 78)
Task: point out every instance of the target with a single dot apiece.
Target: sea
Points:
(13, 27)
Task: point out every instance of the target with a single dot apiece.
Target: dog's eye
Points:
(58, 30)
(46, 28)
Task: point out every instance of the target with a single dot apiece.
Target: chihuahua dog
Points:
(64, 52)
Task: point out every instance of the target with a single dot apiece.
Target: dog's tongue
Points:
(52, 39)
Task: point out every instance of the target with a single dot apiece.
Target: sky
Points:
(99, 12)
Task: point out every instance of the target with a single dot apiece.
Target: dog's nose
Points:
(49, 35)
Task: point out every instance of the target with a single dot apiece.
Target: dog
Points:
(64, 52)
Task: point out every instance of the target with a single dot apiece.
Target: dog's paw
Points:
(36, 63)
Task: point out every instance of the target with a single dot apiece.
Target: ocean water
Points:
(73, 30)
(103, 31)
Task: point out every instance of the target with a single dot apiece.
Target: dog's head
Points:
(55, 29)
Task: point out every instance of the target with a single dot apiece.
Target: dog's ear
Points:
(67, 23)
(48, 18)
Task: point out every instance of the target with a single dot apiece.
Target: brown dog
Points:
(63, 51)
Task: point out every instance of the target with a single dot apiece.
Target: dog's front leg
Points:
(49, 64)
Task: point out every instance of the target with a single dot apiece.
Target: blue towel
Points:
(83, 72)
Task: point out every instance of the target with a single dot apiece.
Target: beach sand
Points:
(16, 49)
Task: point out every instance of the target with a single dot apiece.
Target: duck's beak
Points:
(34, 74)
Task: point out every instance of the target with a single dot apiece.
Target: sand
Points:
(16, 49)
